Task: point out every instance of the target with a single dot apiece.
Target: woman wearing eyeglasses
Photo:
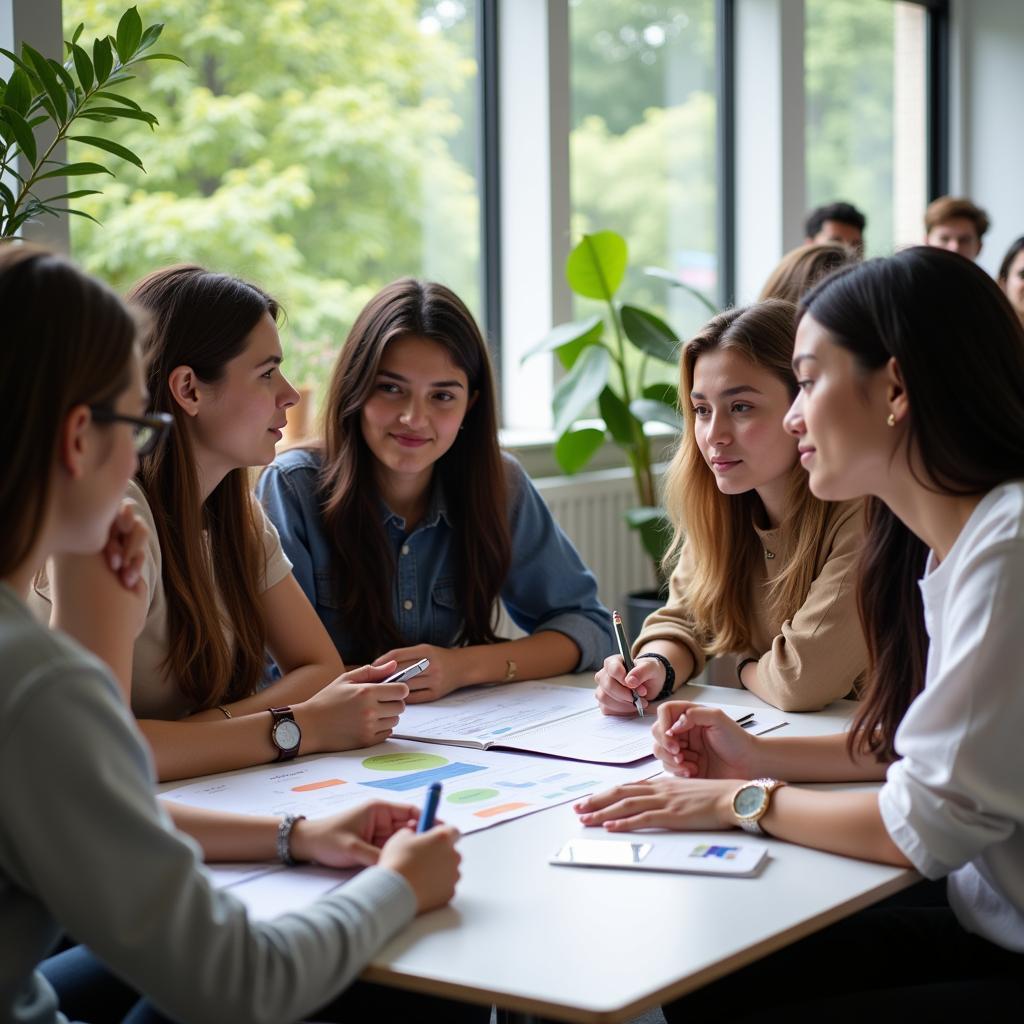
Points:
(188, 640)
(84, 846)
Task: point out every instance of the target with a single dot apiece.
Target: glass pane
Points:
(643, 142)
(320, 149)
(865, 128)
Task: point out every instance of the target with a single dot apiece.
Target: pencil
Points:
(620, 639)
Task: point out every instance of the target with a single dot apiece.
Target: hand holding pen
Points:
(627, 661)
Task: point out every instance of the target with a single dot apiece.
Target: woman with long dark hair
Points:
(406, 524)
(85, 848)
(189, 643)
(911, 373)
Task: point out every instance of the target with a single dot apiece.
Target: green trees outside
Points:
(319, 147)
(325, 147)
(848, 68)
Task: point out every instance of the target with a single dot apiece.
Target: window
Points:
(866, 114)
(320, 149)
(643, 150)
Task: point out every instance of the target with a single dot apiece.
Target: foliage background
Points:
(325, 147)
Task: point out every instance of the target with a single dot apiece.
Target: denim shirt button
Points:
(407, 605)
(405, 549)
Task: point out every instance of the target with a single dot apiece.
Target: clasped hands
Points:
(707, 756)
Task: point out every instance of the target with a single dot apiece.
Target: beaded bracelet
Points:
(284, 838)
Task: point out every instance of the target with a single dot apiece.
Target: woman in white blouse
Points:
(911, 374)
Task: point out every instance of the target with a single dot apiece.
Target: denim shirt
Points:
(547, 588)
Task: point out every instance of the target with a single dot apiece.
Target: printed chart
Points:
(481, 788)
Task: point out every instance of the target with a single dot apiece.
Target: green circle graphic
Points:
(403, 762)
(471, 796)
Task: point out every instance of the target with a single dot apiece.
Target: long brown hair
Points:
(68, 341)
(960, 349)
(802, 268)
(471, 471)
(203, 320)
(718, 527)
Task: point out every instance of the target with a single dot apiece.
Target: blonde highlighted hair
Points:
(718, 528)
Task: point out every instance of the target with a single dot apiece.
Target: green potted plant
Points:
(44, 100)
(607, 357)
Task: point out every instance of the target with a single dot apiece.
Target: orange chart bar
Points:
(310, 786)
(490, 812)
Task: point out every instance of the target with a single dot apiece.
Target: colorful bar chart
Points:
(310, 787)
(417, 780)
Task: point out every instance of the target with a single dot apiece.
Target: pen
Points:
(429, 812)
(403, 675)
(620, 639)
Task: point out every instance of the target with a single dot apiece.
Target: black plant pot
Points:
(638, 606)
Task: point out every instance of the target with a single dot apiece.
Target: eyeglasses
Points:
(147, 431)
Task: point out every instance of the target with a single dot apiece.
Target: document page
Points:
(607, 739)
(549, 718)
(484, 716)
(481, 788)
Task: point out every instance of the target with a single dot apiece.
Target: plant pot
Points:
(639, 605)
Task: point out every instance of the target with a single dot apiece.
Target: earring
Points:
(891, 419)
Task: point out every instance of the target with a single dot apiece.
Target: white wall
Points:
(987, 159)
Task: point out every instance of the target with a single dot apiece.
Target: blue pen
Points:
(429, 812)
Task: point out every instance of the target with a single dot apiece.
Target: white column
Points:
(909, 136)
(535, 206)
(770, 177)
(38, 22)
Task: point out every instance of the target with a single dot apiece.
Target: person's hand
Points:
(355, 710)
(696, 741)
(429, 862)
(441, 677)
(125, 549)
(352, 838)
(615, 687)
(678, 804)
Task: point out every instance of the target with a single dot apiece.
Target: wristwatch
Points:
(670, 674)
(285, 733)
(750, 804)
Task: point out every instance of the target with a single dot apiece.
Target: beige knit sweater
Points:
(815, 656)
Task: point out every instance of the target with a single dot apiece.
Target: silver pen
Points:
(620, 639)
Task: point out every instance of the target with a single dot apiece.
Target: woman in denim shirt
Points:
(406, 523)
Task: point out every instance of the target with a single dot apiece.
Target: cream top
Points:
(808, 660)
(155, 693)
(953, 801)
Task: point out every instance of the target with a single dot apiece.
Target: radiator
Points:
(590, 508)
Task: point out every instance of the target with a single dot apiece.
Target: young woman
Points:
(406, 524)
(216, 592)
(911, 375)
(85, 847)
(764, 570)
(803, 267)
(1011, 275)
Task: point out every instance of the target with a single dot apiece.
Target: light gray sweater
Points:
(85, 848)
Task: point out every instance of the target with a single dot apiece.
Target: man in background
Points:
(837, 222)
(955, 224)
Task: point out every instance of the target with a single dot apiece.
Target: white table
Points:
(548, 941)
(541, 940)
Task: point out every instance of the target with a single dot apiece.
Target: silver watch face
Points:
(287, 734)
(749, 800)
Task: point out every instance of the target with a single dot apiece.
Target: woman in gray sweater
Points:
(85, 847)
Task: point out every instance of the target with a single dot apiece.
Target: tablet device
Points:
(646, 853)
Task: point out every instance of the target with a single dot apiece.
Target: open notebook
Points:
(547, 718)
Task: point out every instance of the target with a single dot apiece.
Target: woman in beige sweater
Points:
(764, 571)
